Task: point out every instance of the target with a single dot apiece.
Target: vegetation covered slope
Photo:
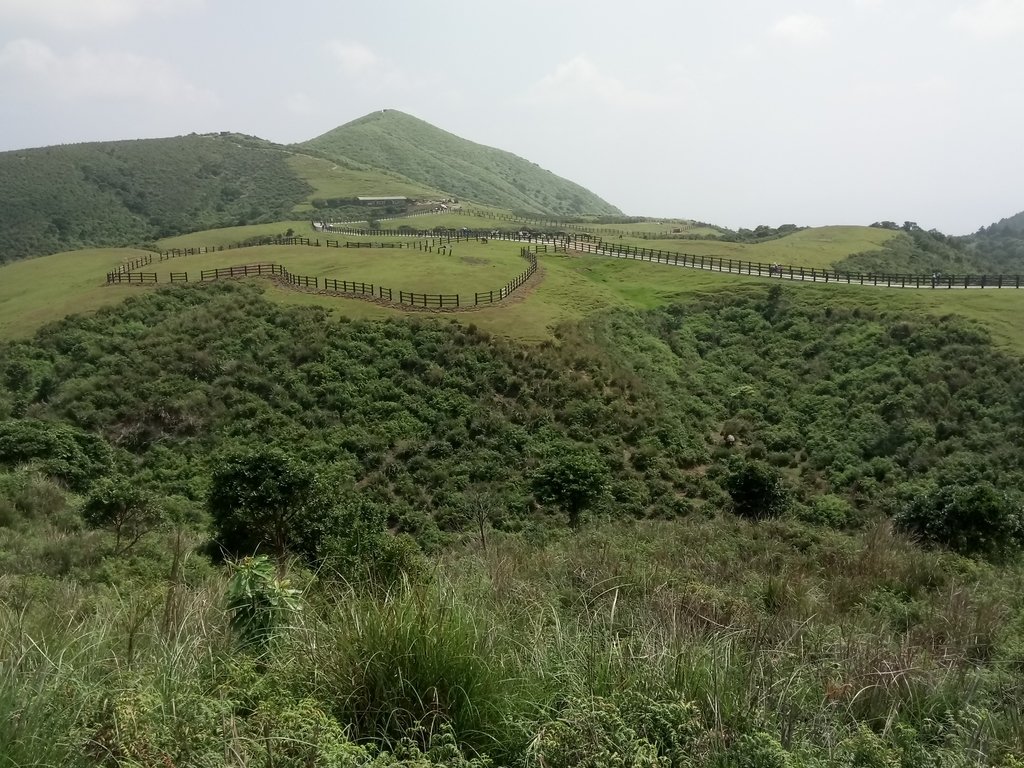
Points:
(1000, 244)
(130, 192)
(416, 413)
(399, 142)
(700, 639)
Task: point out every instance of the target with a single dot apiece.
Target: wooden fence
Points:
(540, 243)
(789, 272)
(116, 278)
(450, 301)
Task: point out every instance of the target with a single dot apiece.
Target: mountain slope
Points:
(127, 192)
(407, 145)
(1000, 245)
(1013, 223)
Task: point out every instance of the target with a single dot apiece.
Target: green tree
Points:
(972, 520)
(122, 507)
(574, 482)
(756, 489)
(266, 498)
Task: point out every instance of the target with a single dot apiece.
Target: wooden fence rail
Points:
(538, 242)
(451, 301)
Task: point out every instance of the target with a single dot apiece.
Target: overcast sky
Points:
(738, 112)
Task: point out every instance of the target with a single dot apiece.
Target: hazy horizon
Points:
(838, 112)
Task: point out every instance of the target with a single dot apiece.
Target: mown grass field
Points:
(41, 290)
(819, 247)
(480, 218)
(231, 235)
(468, 267)
(330, 179)
(37, 291)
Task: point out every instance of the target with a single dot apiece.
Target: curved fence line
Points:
(429, 241)
(333, 286)
(600, 247)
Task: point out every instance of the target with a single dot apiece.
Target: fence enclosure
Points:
(539, 243)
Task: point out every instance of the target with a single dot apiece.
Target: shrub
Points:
(973, 520)
(758, 750)
(258, 602)
(60, 451)
(593, 734)
(574, 482)
(756, 489)
(827, 510)
(360, 548)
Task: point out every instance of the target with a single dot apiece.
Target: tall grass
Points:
(715, 635)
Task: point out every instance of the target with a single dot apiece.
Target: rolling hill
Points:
(130, 192)
(407, 145)
(125, 193)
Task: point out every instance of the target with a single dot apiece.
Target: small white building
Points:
(394, 200)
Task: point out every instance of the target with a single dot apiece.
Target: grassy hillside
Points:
(404, 144)
(129, 192)
(134, 192)
(346, 179)
(433, 608)
(568, 288)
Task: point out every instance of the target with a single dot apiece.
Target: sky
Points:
(736, 112)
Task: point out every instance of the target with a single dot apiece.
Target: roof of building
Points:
(384, 197)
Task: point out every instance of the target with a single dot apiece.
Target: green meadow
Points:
(466, 268)
(231, 235)
(37, 291)
(331, 180)
(819, 247)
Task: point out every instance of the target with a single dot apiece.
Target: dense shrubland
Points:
(478, 552)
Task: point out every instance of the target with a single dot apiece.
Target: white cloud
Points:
(801, 29)
(76, 14)
(580, 80)
(301, 103)
(87, 75)
(990, 18)
(355, 58)
(361, 64)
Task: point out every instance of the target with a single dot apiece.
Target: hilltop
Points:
(124, 193)
(407, 145)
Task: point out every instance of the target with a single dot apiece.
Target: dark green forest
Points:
(747, 530)
(134, 192)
